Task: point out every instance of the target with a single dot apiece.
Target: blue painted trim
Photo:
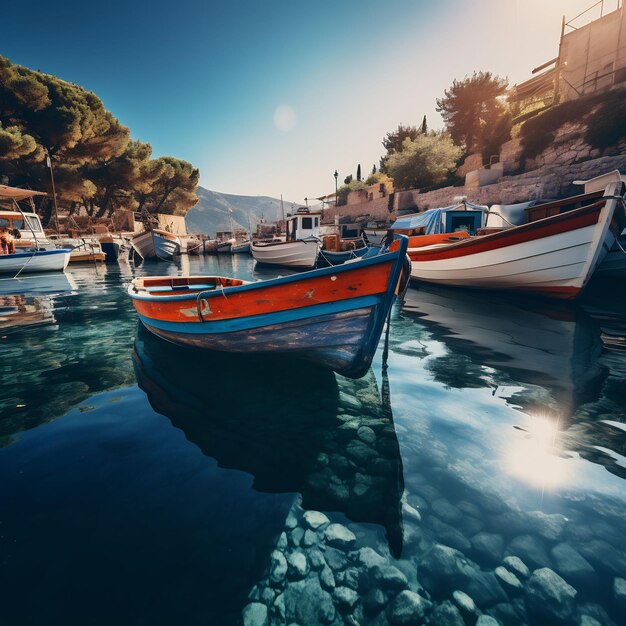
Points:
(262, 284)
(26, 255)
(264, 319)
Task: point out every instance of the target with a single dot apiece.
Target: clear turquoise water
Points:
(145, 484)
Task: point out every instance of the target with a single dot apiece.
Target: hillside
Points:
(211, 212)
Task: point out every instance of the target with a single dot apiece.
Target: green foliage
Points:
(95, 162)
(607, 125)
(423, 162)
(348, 179)
(394, 140)
(342, 192)
(604, 115)
(377, 177)
(474, 113)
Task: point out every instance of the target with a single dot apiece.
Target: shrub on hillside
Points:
(605, 126)
(425, 161)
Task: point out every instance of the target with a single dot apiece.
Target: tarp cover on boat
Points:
(15, 193)
(431, 220)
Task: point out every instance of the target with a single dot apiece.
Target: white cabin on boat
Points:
(28, 226)
(303, 225)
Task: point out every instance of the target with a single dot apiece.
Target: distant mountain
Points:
(211, 212)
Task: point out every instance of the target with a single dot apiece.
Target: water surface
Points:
(145, 484)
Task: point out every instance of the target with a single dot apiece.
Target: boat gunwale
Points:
(507, 232)
(261, 284)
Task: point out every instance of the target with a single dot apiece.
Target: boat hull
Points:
(375, 236)
(297, 254)
(240, 248)
(555, 256)
(153, 246)
(333, 316)
(34, 262)
(337, 258)
(112, 251)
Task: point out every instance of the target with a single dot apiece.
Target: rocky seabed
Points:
(470, 560)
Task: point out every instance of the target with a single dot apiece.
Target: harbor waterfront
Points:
(474, 475)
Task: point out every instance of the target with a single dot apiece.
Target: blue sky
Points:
(203, 81)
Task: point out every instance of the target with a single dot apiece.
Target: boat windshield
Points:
(32, 222)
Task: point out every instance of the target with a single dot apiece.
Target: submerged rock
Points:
(327, 579)
(576, 570)
(448, 535)
(390, 577)
(308, 603)
(316, 559)
(619, 593)
(548, 526)
(485, 589)
(374, 601)
(515, 565)
(487, 620)
(339, 536)
(255, 614)
(465, 604)
(278, 567)
(336, 559)
(530, 549)
(297, 565)
(314, 519)
(309, 539)
(508, 579)
(549, 597)
(488, 546)
(368, 558)
(446, 511)
(408, 608)
(446, 614)
(345, 598)
(443, 569)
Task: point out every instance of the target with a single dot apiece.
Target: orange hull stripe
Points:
(324, 289)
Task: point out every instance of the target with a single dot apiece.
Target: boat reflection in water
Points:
(551, 360)
(291, 425)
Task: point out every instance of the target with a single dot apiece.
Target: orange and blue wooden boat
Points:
(332, 316)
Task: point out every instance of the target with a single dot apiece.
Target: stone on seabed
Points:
(368, 558)
(530, 549)
(487, 620)
(407, 608)
(465, 604)
(488, 546)
(255, 614)
(515, 565)
(549, 597)
(619, 591)
(309, 603)
(572, 566)
(278, 567)
(446, 614)
(339, 536)
(345, 597)
(390, 577)
(298, 566)
(314, 519)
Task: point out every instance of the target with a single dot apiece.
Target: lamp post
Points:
(54, 194)
(306, 200)
(336, 175)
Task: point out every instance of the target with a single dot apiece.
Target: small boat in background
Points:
(336, 250)
(375, 232)
(24, 248)
(83, 249)
(240, 248)
(154, 244)
(302, 245)
(35, 261)
(224, 247)
(209, 246)
(332, 316)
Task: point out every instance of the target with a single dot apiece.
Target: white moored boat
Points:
(554, 254)
(24, 247)
(301, 248)
(157, 244)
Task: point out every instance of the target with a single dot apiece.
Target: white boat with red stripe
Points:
(554, 256)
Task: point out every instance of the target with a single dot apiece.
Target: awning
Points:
(17, 194)
(431, 220)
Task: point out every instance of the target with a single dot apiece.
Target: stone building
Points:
(591, 58)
